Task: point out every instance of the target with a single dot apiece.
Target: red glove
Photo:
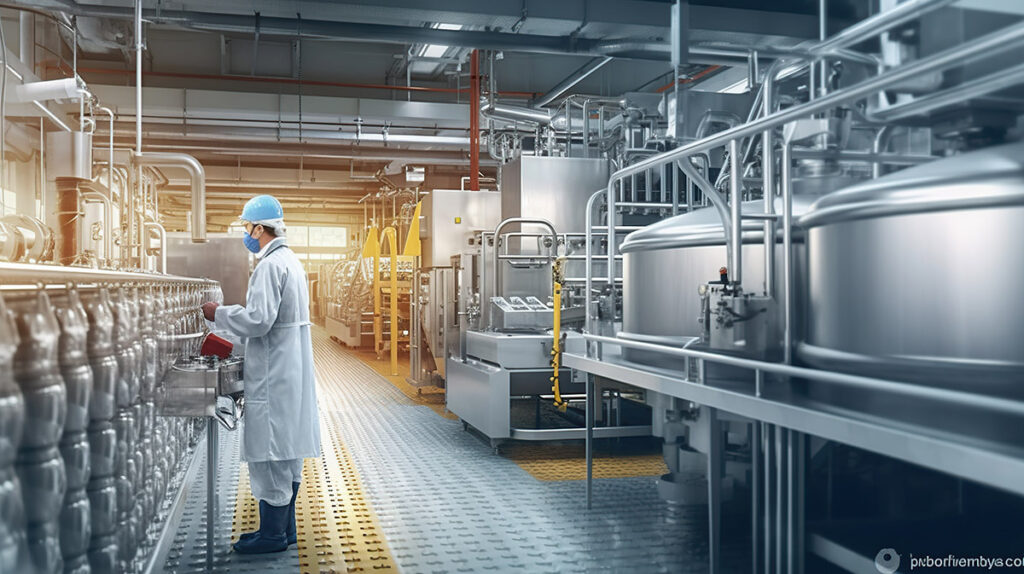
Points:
(209, 310)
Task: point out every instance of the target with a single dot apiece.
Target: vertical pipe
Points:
(390, 234)
(138, 129)
(586, 128)
(474, 121)
(781, 435)
(768, 434)
(211, 488)
(27, 39)
(787, 252)
(736, 201)
(590, 439)
(588, 263)
(714, 491)
(610, 209)
(822, 35)
(756, 463)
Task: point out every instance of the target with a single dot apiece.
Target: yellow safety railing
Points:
(388, 237)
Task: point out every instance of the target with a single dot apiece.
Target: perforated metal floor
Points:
(447, 504)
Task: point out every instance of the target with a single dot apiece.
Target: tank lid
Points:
(702, 227)
(990, 177)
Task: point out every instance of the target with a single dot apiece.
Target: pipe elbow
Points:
(198, 183)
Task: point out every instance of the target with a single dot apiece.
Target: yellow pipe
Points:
(390, 237)
(378, 326)
(556, 344)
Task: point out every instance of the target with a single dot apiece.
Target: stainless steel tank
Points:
(918, 275)
(665, 263)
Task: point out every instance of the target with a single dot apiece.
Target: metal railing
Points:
(998, 42)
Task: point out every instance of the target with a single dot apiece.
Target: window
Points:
(10, 203)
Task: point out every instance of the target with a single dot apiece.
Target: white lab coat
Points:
(281, 421)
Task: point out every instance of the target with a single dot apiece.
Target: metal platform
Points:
(445, 502)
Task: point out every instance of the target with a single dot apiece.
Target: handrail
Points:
(1003, 40)
(869, 383)
(497, 234)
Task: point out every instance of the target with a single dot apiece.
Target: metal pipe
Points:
(1008, 38)
(736, 197)
(574, 78)
(972, 89)
(880, 144)
(588, 262)
(108, 218)
(474, 122)
(787, 252)
(516, 113)
(41, 91)
(198, 183)
(721, 207)
(161, 234)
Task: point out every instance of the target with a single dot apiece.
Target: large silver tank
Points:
(665, 263)
(918, 275)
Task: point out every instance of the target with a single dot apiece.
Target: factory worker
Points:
(281, 423)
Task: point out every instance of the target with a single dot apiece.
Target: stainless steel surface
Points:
(222, 257)
(665, 264)
(893, 266)
(549, 188)
(986, 462)
(68, 154)
(448, 219)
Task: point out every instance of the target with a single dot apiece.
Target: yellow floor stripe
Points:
(338, 530)
(552, 462)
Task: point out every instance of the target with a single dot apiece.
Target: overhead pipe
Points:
(474, 122)
(568, 83)
(42, 91)
(198, 183)
(517, 113)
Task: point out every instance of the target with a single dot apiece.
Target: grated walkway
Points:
(443, 501)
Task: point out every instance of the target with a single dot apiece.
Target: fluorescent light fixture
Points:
(434, 51)
(448, 26)
(50, 114)
(739, 87)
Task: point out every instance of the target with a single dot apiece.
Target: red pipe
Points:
(692, 78)
(293, 81)
(474, 121)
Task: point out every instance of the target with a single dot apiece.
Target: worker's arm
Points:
(261, 306)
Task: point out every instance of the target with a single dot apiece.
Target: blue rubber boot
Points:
(271, 536)
(290, 531)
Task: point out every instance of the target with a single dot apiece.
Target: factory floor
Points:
(401, 489)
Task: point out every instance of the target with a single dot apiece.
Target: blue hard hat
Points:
(262, 208)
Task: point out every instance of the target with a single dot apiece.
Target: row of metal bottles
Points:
(85, 460)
